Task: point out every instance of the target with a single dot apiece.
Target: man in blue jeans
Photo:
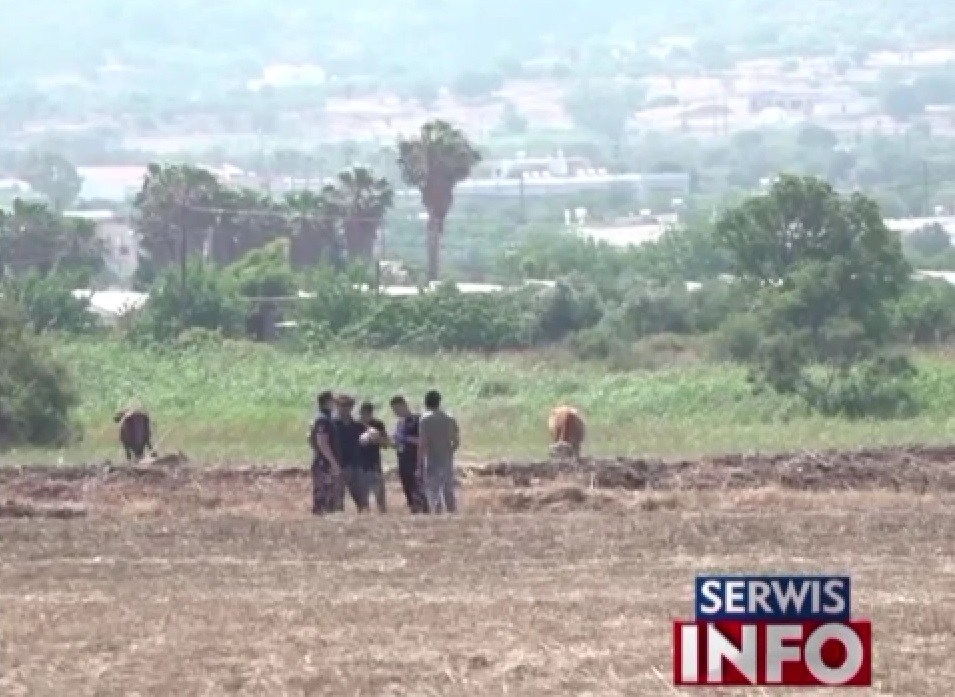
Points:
(438, 440)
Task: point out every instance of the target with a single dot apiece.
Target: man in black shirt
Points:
(326, 459)
(369, 455)
(349, 432)
(406, 444)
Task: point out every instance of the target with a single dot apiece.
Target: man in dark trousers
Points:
(326, 459)
(406, 445)
(349, 433)
(374, 438)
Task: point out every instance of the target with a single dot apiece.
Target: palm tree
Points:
(360, 201)
(435, 162)
(175, 203)
(314, 228)
(246, 219)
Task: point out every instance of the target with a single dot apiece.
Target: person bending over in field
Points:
(326, 459)
(349, 433)
(406, 446)
(438, 440)
(372, 440)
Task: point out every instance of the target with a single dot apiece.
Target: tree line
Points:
(181, 207)
(804, 285)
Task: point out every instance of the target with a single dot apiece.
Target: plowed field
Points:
(555, 579)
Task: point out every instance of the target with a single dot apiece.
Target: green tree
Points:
(926, 312)
(264, 272)
(34, 237)
(825, 270)
(53, 176)
(175, 212)
(49, 304)
(207, 300)
(36, 392)
(434, 162)
(244, 219)
(360, 200)
(314, 229)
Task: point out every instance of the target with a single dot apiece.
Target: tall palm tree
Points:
(434, 162)
(360, 200)
(175, 204)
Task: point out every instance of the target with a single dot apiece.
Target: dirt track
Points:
(556, 579)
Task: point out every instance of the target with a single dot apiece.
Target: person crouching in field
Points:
(438, 440)
(406, 447)
(326, 459)
(349, 433)
(372, 440)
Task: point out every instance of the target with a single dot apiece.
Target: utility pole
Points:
(925, 202)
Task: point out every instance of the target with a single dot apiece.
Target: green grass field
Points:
(245, 402)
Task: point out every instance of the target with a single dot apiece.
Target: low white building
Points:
(111, 304)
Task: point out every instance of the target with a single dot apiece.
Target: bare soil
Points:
(557, 578)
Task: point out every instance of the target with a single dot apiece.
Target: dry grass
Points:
(225, 586)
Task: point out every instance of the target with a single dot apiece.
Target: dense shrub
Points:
(652, 309)
(338, 301)
(926, 312)
(205, 300)
(446, 319)
(265, 272)
(592, 343)
(49, 304)
(738, 338)
(879, 386)
(36, 394)
(565, 309)
(715, 301)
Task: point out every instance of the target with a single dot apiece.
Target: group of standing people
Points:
(347, 454)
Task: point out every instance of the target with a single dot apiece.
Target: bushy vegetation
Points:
(36, 392)
(238, 401)
(202, 299)
(803, 286)
(824, 270)
(48, 303)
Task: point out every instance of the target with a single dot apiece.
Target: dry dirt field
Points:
(554, 580)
